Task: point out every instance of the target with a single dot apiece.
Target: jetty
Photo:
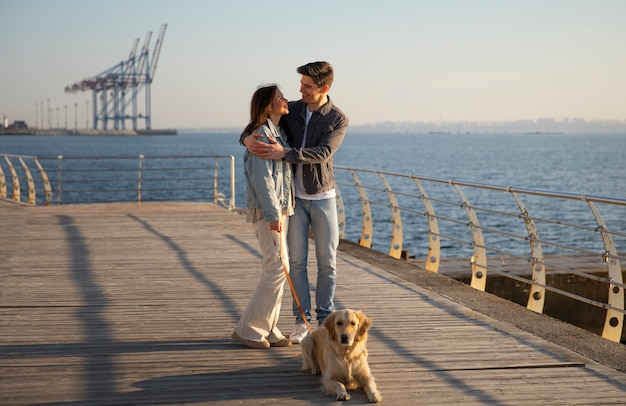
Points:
(85, 132)
(134, 303)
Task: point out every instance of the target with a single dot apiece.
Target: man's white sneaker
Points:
(299, 333)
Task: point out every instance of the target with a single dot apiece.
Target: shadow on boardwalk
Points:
(134, 304)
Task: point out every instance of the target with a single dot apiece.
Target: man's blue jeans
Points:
(321, 215)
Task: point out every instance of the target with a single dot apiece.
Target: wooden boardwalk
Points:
(133, 304)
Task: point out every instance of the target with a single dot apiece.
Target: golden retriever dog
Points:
(337, 351)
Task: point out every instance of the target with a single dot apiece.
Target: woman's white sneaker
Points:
(299, 333)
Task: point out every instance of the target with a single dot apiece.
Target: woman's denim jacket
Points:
(268, 182)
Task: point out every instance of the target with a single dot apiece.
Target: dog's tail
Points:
(309, 362)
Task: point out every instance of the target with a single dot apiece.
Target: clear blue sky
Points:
(413, 60)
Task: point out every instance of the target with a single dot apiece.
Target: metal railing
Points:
(493, 224)
(97, 179)
(435, 219)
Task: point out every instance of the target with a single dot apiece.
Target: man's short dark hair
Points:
(321, 72)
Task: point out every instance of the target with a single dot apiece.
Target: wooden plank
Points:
(134, 304)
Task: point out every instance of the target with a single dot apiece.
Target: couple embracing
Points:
(290, 186)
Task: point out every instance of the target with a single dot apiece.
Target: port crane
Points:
(118, 87)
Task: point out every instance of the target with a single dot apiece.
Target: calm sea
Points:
(580, 164)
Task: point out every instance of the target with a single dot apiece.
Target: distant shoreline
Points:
(360, 129)
(521, 127)
(62, 131)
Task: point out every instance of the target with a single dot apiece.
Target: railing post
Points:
(434, 243)
(232, 183)
(46, 183)
(216, 186)
(366, 229)
(32, 199)
(537, 294)
(139, 178)
(395, 249)
(614, 321)
(341, 213)
(479, 259)
(16, 181)
(3, 184)
(59, 172)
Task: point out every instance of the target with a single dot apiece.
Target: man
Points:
(315, 129)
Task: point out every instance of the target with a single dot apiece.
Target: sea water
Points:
(580, 164)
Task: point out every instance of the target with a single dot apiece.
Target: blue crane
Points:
(119, 86)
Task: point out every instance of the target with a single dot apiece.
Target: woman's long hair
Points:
(260, 106)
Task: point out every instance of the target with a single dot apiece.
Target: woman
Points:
(269, 200)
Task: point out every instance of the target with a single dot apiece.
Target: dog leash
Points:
(293, 290)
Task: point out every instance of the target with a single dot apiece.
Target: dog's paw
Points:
(343, 396)
(311, 370)
(375, 397)
(310, 367)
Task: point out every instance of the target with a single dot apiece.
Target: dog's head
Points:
(347, 327)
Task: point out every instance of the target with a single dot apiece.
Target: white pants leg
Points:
(260, 318)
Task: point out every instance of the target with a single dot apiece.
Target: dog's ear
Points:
(329, 324)
(364, 323)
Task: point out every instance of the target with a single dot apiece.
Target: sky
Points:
(394, 61)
